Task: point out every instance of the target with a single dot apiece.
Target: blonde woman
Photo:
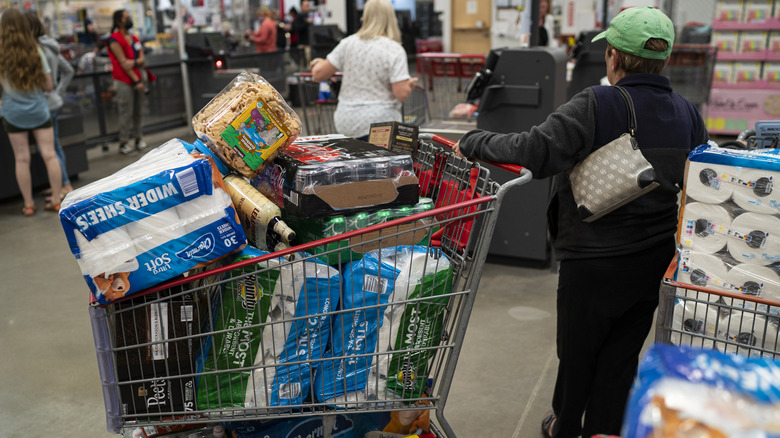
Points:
(375, 72)
(23, 79)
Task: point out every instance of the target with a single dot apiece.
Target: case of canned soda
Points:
(336, 175)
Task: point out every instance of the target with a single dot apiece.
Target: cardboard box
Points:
(394, 136)
(309, 230)
(140, 326)
(336, 175)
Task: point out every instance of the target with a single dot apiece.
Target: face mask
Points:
(129, 23)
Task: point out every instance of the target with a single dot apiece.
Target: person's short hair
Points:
(634, 64)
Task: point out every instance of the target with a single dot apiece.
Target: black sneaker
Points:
(126, 148)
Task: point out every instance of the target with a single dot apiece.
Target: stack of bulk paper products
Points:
(729, 240)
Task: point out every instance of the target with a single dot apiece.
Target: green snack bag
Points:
(420, 328)
(243, 305)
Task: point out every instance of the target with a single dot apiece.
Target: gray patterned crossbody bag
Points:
(612, 175)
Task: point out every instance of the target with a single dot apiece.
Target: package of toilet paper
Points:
(698, 324)
(155, 219)
(381, 350)
(715, 175)
(701, 392)
(750, 333)
(297, 331)
(704, 270)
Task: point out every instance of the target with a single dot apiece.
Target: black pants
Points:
(605, 312)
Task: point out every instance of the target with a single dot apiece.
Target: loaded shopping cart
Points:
(717, 314)
(371, 319)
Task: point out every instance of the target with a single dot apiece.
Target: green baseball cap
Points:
(630, 30)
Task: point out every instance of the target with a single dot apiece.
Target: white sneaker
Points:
(125, 148)
(141, 145)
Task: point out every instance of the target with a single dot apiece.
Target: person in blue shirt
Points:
(24, 79)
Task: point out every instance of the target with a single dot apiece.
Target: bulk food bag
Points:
(159, 217)
(299, 325)
(384, 277)
(247, 124)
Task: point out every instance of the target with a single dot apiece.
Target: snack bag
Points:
(247, 124)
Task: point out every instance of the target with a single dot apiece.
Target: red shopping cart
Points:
(257, 339)
(732, 318)
(445, 76)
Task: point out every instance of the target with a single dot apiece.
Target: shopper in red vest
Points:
(127, 59)
(265, 36)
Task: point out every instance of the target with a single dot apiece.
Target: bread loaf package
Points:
(155, 219)
(247, 124)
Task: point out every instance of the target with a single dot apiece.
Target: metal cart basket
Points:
(314, 329)
(734, 322)
(318, 103)
(445, 76)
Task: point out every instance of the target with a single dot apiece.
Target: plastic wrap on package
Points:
(247, 124)
(701, 392)
(131, 230)
(300, 324)
(364, 367)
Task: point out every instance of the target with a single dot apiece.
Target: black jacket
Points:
(668, 128)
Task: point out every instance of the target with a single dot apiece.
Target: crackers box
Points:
(336, 175)
(394, 136)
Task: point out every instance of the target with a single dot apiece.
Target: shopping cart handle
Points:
(514, 168)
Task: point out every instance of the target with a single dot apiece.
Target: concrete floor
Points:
(49, 382)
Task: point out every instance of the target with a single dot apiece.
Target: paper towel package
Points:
(749, 333)
(238, 312)
(304, 294)
(387, 277)
(701, 320)
(155, 219)
(705, 270)
(715, 175)
(700, 392)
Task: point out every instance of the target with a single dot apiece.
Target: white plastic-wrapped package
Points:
(299, 327)
(363, 366)
(691, 392)
(128, 232)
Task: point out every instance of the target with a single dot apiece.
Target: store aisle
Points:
(48, 370)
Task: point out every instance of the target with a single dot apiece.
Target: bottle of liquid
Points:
(260, 217)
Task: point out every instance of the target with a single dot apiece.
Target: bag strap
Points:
(630, 108)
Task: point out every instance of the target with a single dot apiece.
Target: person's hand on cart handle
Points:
(314, 62)
(456, 150)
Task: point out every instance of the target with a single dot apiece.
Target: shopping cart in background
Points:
(690, 71)
(318, 103)
(445, 76)
(415, 108)
(286, 342)
(738, 321)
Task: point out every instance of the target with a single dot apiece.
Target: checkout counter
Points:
(519, 89)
